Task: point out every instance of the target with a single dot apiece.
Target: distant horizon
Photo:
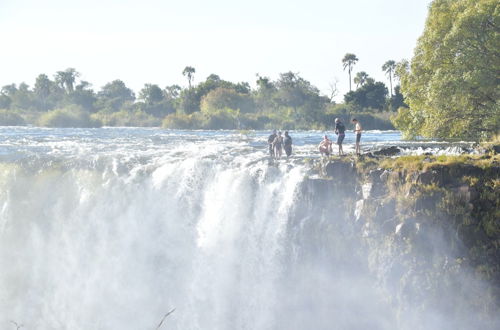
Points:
(152, 42)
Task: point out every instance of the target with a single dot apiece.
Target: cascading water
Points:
(111, 229)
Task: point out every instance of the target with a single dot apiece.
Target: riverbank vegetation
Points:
(289, 102)
(449, 89)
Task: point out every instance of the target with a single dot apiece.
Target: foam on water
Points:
(112, 228)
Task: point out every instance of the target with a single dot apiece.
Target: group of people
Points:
(277, 142)
(325, 146)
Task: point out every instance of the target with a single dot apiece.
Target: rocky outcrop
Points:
(446, 213)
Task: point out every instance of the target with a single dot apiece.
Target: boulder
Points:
(389, 151)
(385, 176)
(342, 171)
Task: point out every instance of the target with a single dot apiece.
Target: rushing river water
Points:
(111, 228)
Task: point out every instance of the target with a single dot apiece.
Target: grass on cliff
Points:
(419, 163)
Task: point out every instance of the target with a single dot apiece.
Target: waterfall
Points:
(101, 236)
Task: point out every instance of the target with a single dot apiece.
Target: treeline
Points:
(288, 102)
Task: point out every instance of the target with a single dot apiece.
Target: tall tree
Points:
(189, 73)
(451, 86)
(389, 68)
(151, 94)
(371, 96)
(66, 79)
(349, 60)
(114, 95)
(360, 78)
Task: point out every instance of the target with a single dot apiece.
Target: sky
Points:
(151, 41)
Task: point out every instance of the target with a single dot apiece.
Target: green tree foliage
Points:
(451, 86)
(290, 102)
(114, 95)
(66, 79)
(73, 117)
(83, 96)
(224, 98)
(396, 101)
(189, 72)
(369, 97)
(154, 102)
(389, 68)
(151, 94)
(348, 61)
(298, 94)
(360, 79)
(8, 118)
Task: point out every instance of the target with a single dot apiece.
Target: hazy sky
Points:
(151, 41)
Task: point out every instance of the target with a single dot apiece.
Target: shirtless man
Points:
(325, 146)
(357, 129)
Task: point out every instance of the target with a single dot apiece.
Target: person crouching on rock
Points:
(325, 146)
(278, 146)
(287, 144)
(340, 131)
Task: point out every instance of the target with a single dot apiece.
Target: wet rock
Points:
(406, 229)
(366, 190)
(426, 203)
(429, 177)
(358, 210)
(389, 151)
(385, 176)
(385, 211)
(341, 171)
(496, 149)
(374, 175)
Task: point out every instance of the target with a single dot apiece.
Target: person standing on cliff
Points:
(357, 129)
(287, 144)
(278, 146)
(340, 131)
(270, 141)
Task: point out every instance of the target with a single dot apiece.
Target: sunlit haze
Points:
(151, 41)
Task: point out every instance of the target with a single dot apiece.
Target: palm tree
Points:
(349, 60)
(189, 72)
(389, 68)
(360, 79)
(66, 78)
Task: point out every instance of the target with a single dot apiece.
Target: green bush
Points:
(67, 118)
(181, 121)
(126, 118)
(9, 118)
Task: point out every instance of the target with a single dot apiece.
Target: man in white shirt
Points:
(357, 129)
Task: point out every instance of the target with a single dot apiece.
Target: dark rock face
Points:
(389, 151)
(341, 172)
(429, 226)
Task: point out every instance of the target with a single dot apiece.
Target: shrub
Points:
(127, 118)
(180, 121)
(8, 118)
(68, 118)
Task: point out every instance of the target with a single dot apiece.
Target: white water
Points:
(112, 234)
